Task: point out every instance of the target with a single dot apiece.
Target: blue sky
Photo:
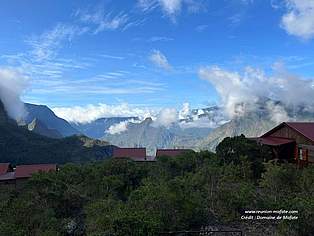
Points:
(148, 54)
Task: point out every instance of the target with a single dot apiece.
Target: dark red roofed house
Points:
(26, 171)
(136, 154)
(171, 152)
(291, 141)
(22, 172)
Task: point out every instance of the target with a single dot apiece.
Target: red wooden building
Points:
(135, 154)
(291, 141)
(9, 175)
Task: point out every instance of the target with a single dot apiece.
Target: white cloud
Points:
(171, 8)
(12, 85)
(277, 112)
(299, 20)
(185, 111)
(166, 117)
(160, 39)
(203, 122)
(46, 45)
(100, 20)
(241, 92)
(160, 60)
(118, 128)
(147, 5)
(89, 113)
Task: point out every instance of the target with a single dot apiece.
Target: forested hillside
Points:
(190, 192)
(20, 146)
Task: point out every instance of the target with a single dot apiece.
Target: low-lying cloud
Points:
(166, 117)
(89, 113)
(120, 127)
(12, 85)
(242, 92)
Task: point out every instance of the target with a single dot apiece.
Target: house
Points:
(293, 141)
(8, 175)
(135, 154)
(171, 152)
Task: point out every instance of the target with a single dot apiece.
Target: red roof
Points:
(304, 128)
(170, 152)
(25, 171)
(129, 152)
(274, 141)
(4, 168)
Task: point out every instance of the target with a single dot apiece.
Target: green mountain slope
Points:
(20, 146)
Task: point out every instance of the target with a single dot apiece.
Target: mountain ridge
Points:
(20, 146)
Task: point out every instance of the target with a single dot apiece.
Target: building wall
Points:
(302, 142)
(310, 152)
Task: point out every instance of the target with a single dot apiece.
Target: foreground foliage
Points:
(121, 197)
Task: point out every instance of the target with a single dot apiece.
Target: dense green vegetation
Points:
(19, 146)
(121, 197)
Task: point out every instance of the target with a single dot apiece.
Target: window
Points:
(300, 151)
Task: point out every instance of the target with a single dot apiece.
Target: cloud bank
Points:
(89, 113)
(12, 85)
(242, 92)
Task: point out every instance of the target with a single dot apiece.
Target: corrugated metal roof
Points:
(170, 152)
(4, 168)
(274, 141)
(25, 171)
(305, 128)
(129, 152)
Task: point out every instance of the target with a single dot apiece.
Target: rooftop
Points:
(304, 128)
(170, 152)
(25, 171)
(129, 152)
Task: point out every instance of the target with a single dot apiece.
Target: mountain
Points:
(96, 129)
(49, 119)
(38, 127)
(251, 125)
(146, 134)
(20, 146)
(255, 123)
(3, 115)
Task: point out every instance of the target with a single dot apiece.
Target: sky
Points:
(88, 59)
